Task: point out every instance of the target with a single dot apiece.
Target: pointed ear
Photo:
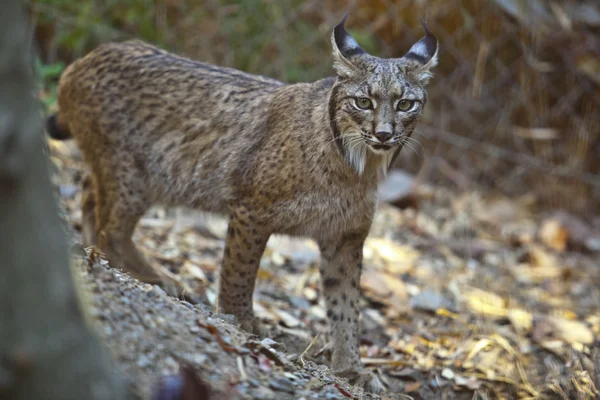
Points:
(344, 48)
(423, 55)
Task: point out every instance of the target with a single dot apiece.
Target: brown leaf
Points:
(385, 288)
(536, 133)
(215, 332)
(396, 259)
(568, 331)
(553, 234)
(521, 320)
(344, 392)
(412, 387)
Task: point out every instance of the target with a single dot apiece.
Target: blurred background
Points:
(514, 107)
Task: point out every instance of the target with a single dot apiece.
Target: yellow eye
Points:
(364, 103)
(405, 105)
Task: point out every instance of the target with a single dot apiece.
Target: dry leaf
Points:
(190, 269)
(554, 235)
(536, 133)
(521, 320)
(487, 303)
(538, 257)
(397, 259)
(412, 387)
(385, 288)
(572, 332)
(288, 319)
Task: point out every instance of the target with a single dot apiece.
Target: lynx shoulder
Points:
(300, 159)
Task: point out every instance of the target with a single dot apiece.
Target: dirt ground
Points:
(465, 296)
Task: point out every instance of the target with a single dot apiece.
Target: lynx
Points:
(300, 159)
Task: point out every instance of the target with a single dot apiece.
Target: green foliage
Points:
(47, 79)
(83, 24)
(258, 36)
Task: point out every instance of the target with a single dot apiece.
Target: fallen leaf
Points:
(470, 383)
(580, 234)
(521, 320)
(553, 234)
(344, 392)
(447, 374)
(192, 270)
(288, 319)
(397, 259)
(487, 303)
(385, 288)
(536, 133)
(572, 332)
(412, 387)
(224, 345)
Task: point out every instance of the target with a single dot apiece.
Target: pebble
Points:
(262, 393)
(282, 385)
(143, 361)
(300, 302)
(157, 291)
(228, 318)
(204, 308)
(428, 300)
(315, 384)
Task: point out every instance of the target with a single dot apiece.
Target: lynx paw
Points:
(253, 325)
(368, 381)
(362, 378)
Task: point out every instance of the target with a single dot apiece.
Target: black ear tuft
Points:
(425, 50)
(344, 42)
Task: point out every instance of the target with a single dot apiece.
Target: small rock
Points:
(270, 343)
(228, 318)
(299, 302)
(397, 186)
(593, 244)
(315, 384)
(203, 308)
(448, 374)
(428, 300)
(67, 191)
(187, 304)
(144, 361)
(282, 385)
(262, 393)
(157, 291)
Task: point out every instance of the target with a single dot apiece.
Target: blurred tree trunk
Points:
(47, 351)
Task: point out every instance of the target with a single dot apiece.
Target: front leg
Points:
(244, 246)
(341, 267)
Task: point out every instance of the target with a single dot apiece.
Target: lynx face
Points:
(376, 103)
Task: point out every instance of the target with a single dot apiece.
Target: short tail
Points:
(55, 129)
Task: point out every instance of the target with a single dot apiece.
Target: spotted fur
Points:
(300, 159)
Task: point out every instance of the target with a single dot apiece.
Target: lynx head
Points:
(375, 102)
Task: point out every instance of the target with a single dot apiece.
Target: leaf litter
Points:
(467, 295)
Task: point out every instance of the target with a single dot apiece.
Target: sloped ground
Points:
(464, 297)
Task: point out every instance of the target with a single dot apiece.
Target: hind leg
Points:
(125, 201)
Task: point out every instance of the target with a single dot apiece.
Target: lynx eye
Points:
(405, 105)
(364, 103)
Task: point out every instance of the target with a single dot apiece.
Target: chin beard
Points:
(359, 155)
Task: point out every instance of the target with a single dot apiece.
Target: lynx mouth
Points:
(382, 147)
